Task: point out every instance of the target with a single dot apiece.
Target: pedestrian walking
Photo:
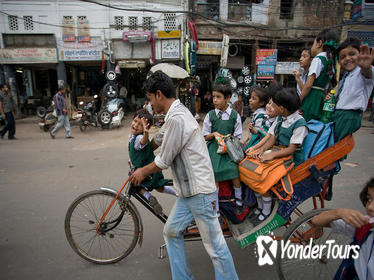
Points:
(183, 148)
(62, 113)
(7, 110)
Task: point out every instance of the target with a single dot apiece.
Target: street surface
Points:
(40, 177)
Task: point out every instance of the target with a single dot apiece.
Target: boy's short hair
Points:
(364, 192)
(349, 42)
(160, 81)
(288, 98)
(223, 86)
(143, 113)
(273, 88)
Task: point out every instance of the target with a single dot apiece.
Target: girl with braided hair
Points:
(321, 73)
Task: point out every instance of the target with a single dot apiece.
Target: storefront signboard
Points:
(168, 34)
(266, 56)
(85, 51)
(28, 55)
(170, 49)
(286, 67)
(209, 48)
(265, 72)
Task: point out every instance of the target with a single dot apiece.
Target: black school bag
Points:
(227, 202)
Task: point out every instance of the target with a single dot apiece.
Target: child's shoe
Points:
(155, 205)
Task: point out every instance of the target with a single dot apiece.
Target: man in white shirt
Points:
(183, 148)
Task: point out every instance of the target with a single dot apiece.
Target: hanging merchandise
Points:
(245, 71)
(240, 79)
(193, 32)
(193, 58)
(187, 56)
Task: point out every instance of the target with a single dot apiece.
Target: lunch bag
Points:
(234, 149)
(264, 176)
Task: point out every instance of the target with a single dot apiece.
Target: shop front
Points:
(31, 74)
(84, 67)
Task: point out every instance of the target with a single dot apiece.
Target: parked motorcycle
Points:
(112, 113)
(47, 116)
(87, 114)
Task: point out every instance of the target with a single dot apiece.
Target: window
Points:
(133, 23)
(286, 9)
(13, 22)
(28, 22)
(119, 22)
(147, 25)
(170, 21)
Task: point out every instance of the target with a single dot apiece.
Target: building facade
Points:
(44, 43)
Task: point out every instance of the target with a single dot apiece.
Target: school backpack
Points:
(319, 138)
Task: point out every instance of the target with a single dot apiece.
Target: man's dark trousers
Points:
(10, 126)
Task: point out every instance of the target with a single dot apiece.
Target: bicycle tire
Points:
(82, 218)
(324, 268)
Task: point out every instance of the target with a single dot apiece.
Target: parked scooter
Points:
(87, 114)
(47, 116)
(112, 113)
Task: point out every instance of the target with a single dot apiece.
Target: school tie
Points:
(219, 115)
(341, 85)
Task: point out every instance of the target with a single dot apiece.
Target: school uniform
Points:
(227, 122)
(290, 130)
(313, 103)
(260, 122)
(353, 94)
(142, 155)
(303, 80)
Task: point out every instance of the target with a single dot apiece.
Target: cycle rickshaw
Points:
(103, 226)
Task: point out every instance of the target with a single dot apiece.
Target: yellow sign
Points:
(210, 48)
(168, 34)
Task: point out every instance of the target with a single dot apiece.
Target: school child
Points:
(239, 107)
(257, 103)
(305, 61)
(141, 154)
(321, 72)
(358, 227)
(354, 88)
(223, 120)
(288, 131)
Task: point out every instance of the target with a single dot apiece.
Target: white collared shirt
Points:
(238, 129)
(184, 149)
(316, 66)
(298, 133)
(258, 122)
(303, 80)
(138, 138)
(356, 91)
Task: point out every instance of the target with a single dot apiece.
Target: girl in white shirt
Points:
(305, 61)
(320, 74)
